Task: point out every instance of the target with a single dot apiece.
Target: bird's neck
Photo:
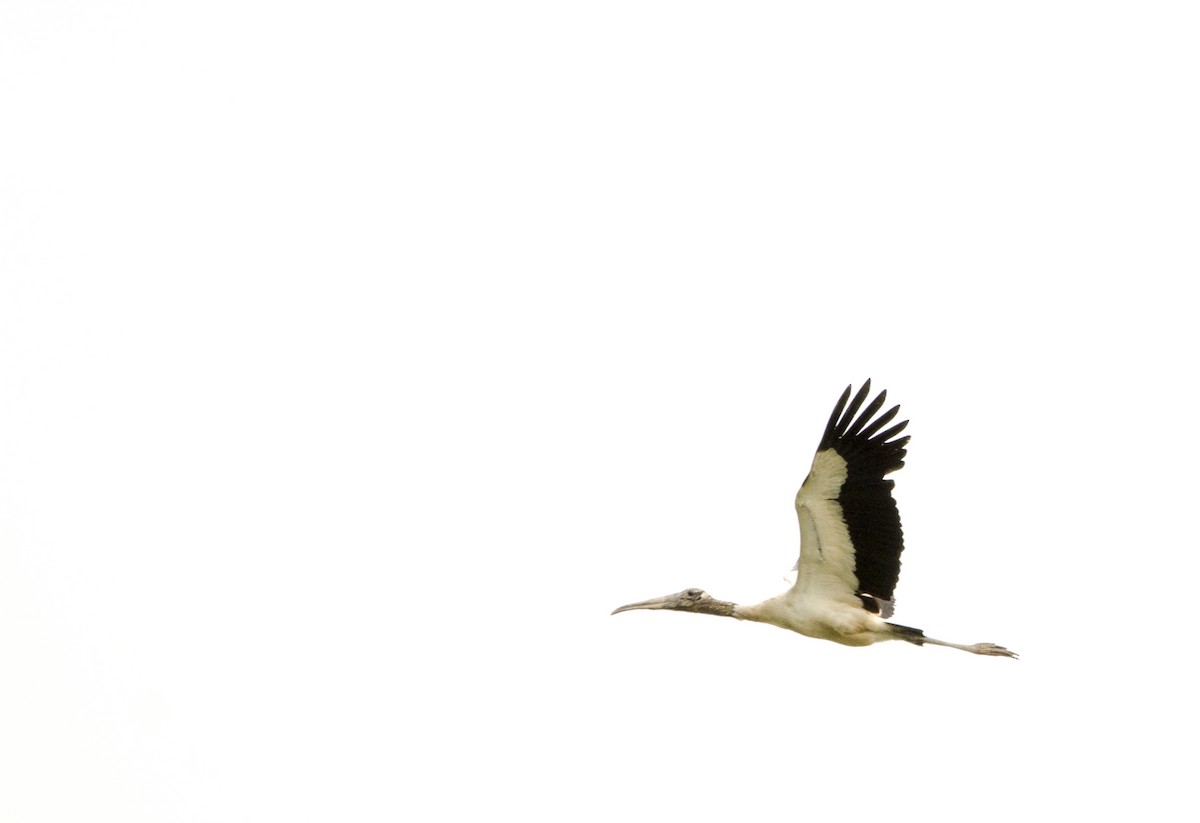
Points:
(747, 613)
(765, 612)
(717, 607)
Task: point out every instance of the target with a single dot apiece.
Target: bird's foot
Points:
(991, 649)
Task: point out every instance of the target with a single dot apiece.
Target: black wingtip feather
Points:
(890, 433)
(881, 421)
(827, 437)
(848, 418)
(867, 414)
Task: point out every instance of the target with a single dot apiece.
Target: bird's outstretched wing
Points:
(850, 536)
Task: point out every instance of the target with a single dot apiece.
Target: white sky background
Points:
(356, 360)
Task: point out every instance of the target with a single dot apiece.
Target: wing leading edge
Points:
(850, 534)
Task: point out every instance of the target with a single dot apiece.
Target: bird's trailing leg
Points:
(918, 637)
(977, 648)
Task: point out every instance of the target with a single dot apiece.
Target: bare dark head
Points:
(688, 600)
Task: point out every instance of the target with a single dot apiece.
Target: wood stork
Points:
(850, 541)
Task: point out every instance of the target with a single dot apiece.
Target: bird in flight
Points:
(850, 541)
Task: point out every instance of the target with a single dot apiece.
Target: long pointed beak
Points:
(656, 603)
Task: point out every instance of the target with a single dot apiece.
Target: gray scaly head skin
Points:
(688, 600)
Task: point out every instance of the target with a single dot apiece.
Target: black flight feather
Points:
(866, 495)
